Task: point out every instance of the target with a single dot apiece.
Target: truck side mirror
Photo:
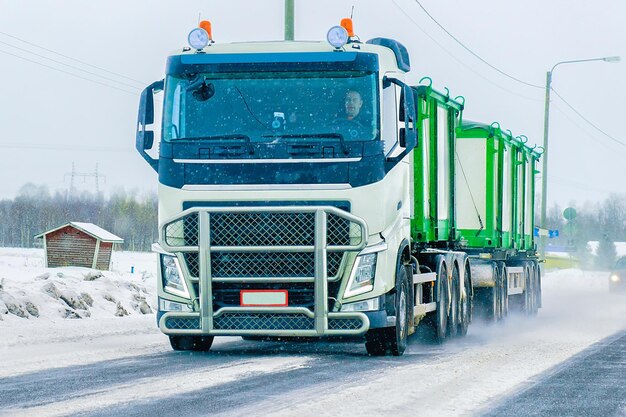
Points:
(407, 114)
(144, 139)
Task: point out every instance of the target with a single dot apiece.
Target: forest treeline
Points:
(35, 210)
(133, 217)
(603, 222)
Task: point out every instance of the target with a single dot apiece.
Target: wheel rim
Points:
(464, 303)
(442, 312)
(454, 306)
(402, 312)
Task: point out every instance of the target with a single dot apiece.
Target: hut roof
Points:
(89, 228)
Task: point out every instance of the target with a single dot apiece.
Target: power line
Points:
(568, 182)
(460, 61)
(587, 120)
(473, 53)
(70, 58)
(69, 73)
(602, 143)
(71, 66)
(44, 146)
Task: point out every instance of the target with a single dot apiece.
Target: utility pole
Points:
(289, 17)
(544, 170)
(546, 122)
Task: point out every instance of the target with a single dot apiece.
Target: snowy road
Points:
(132, 371)
(592, 383)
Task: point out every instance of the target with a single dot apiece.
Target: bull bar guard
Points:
(266, 321)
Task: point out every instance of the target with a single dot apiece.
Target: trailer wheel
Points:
(504, 291)
(535, 288)
(455, 297)
(437, 322)
(538, 304)
(465, 307)
(393, 339)
(529, 290)
(193, 343)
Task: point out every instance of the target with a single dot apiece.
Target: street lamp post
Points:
(546, 123)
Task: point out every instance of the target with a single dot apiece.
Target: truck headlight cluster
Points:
(362, 277)
(173, 281)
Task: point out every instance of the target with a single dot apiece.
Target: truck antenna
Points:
(352, 12)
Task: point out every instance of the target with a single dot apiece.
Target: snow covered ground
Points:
(50, 317)
(76, 316)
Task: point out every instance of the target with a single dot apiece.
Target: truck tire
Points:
(379, 342)
(465, 306)
(504, 291)
(528, 298)
(455, 300)
(436, 324)
(538, 301)
(193, 343)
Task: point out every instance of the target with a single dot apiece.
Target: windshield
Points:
(264, 107)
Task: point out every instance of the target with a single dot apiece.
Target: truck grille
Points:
(263, 264)
(263, 321)
(278, 321)
(261, 229)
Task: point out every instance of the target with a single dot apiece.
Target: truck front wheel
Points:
(393, 339)
(194, 343)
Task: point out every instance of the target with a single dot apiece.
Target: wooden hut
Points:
(79, 244)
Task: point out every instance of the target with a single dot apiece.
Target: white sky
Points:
(50, 119)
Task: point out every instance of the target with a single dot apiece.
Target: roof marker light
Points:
(206, 25)
(346, 23)
(337, 36)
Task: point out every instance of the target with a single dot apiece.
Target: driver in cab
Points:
(353, 104)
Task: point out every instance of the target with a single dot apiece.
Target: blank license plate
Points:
(264, 298)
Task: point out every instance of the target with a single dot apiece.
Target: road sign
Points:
(569, 213)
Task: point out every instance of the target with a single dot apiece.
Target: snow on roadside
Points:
(43, 305)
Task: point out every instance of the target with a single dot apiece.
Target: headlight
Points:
(615, 278)
(362, 277)
(173, 281)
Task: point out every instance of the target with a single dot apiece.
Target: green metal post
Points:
(289, 20)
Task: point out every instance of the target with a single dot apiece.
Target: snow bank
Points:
(39, 304)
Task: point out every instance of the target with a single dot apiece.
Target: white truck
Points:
(295, 199)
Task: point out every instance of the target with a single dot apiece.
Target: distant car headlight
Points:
(362, 277)
(615, 278)
(173, 281)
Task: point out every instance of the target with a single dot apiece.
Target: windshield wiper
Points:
(235, 136)
(342, 140)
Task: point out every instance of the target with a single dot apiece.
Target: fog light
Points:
(337, 36)
(167, 305)
(365, 305)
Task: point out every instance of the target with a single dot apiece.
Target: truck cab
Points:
(285, 191)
